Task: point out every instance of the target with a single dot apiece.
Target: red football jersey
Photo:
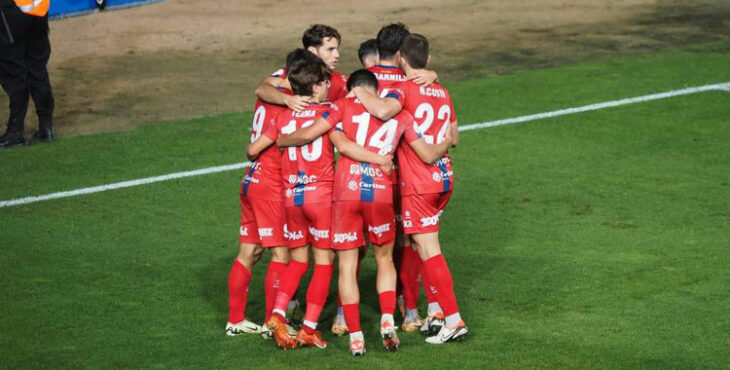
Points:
(307, 171)
(262, 179)
(433, 110)
(389, 78)
(362, 181)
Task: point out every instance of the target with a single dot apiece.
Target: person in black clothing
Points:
(24, 53)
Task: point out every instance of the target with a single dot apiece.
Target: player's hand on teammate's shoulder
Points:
(297, 103)
(424, 77)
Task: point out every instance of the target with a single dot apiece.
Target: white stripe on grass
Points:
(178, 175)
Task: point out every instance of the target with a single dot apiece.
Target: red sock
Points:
(427, 287)
(319, 287)
(387, 302)
(408, 274)
(352, 317)
(288, 283)
(238, 280)
(440, 278)
(271, 285)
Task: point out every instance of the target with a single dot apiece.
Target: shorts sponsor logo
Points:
(266, 231)
(352, 185)
(304, 179)
(319, 234)
(408, 214)
(357, 169)
(407, 224)
(431, 221)
(436, 177)
(380, 229)
(293, 235)
(243, 231)
(345, 237)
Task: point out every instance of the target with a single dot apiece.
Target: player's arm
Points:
(259, 145)
(430, 153)
(424, 77)
(454, 131)
(383, 109)
(305, 135)
(268, 91)
(354, 151)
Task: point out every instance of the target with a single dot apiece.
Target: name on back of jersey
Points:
(432, 92)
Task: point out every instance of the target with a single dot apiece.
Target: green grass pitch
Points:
(594, 240)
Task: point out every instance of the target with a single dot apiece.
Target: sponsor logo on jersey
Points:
(243, 231)
(303, 189)
(266, 231)
(304, 114)
(436, 177)
(380, 229)
(345, 237)
(366, 185)
(359, 169)
(289, 193)
(251, 179)
(428, 91)
(352, 185)
(431, 221)
(319, 234)
(293, 235)
(442, 161)
(303, 179)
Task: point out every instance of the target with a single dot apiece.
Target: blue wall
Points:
(67, 8)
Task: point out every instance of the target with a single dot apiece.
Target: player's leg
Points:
(350, 295)
(239, 278)
(320, 223)
(408, 274)
(347, 238)
(290, 277)
(428, 208)
(380, 218)
(435, 316)
(277, 265)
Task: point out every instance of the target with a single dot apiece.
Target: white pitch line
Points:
(204, 171)
(597, 106)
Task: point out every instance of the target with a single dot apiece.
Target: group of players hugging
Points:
(293, 199)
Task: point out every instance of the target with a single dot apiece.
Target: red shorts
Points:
(352, 217)
(262, 222)
(421, 212)
(309, 224)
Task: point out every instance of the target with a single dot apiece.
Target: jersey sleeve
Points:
(409, 133)
(333, 116)
(396, 93)
(271, 129)
(280, 73)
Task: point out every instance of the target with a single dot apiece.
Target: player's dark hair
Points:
(367, 48)
(389, 39)
(315, 35)
(303, 77)
(415, 50)
(364, 78)
(299, 57)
